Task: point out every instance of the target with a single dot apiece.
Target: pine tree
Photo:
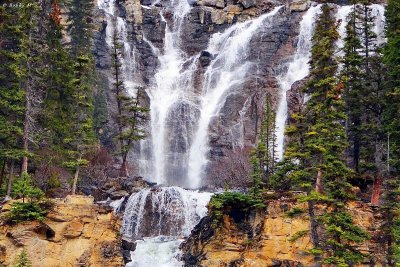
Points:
(352, 79)
(81, 138)
(130, 114)
(363, 77)
(80, 26)
(315, 154)
(391, 206)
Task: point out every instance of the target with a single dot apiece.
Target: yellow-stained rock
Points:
(76, 233)
(264, 238)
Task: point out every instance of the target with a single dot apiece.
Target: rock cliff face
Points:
(76, 233)
(257, 238)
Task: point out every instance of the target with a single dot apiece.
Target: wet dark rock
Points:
(205, 58)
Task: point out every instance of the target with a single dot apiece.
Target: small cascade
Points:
(157, 219)
(297, 69)
(168, 211)
(118, 24)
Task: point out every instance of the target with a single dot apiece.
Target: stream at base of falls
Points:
(157, 220)
(159, 251)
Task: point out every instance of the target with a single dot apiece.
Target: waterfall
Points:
(118, 24)
(171, 109)
(225, 74)
(167, 211)
(297, 69)
(158, 219)
(180, 116)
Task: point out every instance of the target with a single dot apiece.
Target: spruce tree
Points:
(315, 154)
(391, 206)
(80, 26)
(80, 139)
(130, 113)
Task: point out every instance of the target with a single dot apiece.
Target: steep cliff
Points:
(267, 237)
(76, 232)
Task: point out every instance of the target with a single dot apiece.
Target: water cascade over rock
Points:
(159, 218)
(207, 68)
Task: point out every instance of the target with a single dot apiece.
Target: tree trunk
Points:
(124, 167)
(376, 190)
(3, 168)
(313, 225)
(75, 180)
(318, 183)
(9, 182)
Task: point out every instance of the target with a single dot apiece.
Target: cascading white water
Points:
(168, 211)
(297, 69)
(158, 219)
(116, 24)
(225, 74)
(180, 117)
(170, 93)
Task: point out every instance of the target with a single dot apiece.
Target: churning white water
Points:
(160, 251)
(158, 219)
(297, 69)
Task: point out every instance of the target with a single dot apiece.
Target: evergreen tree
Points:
(130, 114)
(363, 77)
(80, 26)
(315, 154)
(58, 100)
(391, 204)
(80, 139)
(24, 188)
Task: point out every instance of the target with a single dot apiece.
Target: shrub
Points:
(240, 201)
(23, 188)
(23, 260)
(21, 212)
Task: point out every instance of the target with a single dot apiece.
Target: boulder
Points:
(205, 58)
(20, 237)
(212, 3)
(247, 3)
(73, 229)
(299, 5)
(233, 9)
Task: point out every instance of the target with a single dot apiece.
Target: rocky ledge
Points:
(266, 237)
(77, 232)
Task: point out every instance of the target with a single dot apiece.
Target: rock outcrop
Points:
(76, 232)
(256, 238)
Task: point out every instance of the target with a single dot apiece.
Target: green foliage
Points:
(298, 235)
(21, 212)
(131, 115)
(294, 212)
(23, 260)
(80, 26)
(23, 188)
(220, 202)
(342, 234)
